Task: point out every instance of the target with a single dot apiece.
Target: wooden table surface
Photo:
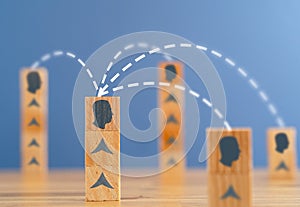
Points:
(66, 188)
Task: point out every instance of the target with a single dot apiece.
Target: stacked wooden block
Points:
(34, 119)
(102, 145)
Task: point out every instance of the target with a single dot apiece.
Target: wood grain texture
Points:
(171, 101)
(34, 123)
(282, 159)
(229, 168)
(66, 189)
(102, 145)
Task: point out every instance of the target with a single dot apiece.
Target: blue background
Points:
(261, 36)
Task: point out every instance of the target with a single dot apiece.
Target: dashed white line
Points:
(81, 62)
(272, 109)
(216, 53)
(169, 46)
(194, 93)
(115, 77)
(228, 127)
(95, 85)
(129, 47)
(253, 83)
(118, 88)
(104, 78)
(126, 67)
(207, 102)
(179, 87)
(154, 50)
(230, 62)
(109, 66)
(263, 96)
(35, 64)
(164, 84)
(71, 55)
(89, 73)
(185, 45)
(242, 72)
(58, 53)
(280, 122)
(46, 57)
(139, 58)
(117, 55)
(148, 83)
(133, 85)
(143, 45)
(218, 113)
(201, 47)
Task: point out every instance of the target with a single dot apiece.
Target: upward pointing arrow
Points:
(282, 166)
(172, 119)
(33, 122)
(33, 161)
(171, 98)
(34, 103)
(231, 193)
(102, 181)
(102, 147)
(33, 143)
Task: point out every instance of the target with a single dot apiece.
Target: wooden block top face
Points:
(102, 113)
(282, 152)
(171, 71)
(231, 152)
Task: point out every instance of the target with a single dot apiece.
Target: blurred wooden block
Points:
(34, 123)
(102, 145)
(171, 101)
(282, 153)
(229, 168)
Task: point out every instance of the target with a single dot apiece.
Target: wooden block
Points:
(171, 101)
(102, 145)
(229, 190)
(34, 125)
(282, 153)
(239, 161)
(229, 168)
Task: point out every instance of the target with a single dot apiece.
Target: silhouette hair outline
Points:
(230, 150)
(102, 113)
(282, 142)
(34, 82)
(170, 72)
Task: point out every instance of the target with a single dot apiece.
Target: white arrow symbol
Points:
(102, 91)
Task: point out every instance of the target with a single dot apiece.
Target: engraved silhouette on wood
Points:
(102, 113)
(282, 142)
(170, 72)
(34, 82)
(230, 150)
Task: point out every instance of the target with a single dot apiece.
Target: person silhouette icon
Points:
(230, 151)
(34, 82)
(170, 72)
(282, 142)
(102, 113)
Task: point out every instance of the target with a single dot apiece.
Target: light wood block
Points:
(171, 101)
(34, 123)
(282, 153)
(229, 168)
(102, 145)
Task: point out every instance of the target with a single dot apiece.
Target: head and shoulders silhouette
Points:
(34, 82)
(102, 113)
(282, 142)
(170, 72)
(230, 150)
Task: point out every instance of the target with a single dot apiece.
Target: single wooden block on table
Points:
(34, 123)
(282, 153)
(102, 146)
(171, 101)
(229, 167)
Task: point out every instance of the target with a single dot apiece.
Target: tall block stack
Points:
(34, 126)
(229, 168)
(102, 145)
(282, 153)
(171, 101)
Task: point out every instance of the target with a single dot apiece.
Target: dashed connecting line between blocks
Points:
(217, 54)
